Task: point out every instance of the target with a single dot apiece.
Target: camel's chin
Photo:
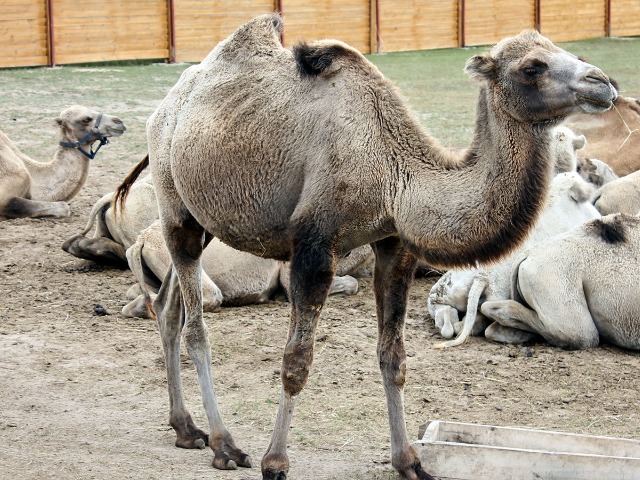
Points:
(595, 106)
(115, 133)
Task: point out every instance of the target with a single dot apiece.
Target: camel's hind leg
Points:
(393, 274)
(185, 239)
(312, 270)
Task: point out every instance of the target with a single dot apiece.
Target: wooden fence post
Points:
(51, 50)
(461, 21)
(171, 30)
(374, 26)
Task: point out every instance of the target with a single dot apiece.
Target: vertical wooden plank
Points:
(201, 24)
(418, 25)
(346, 20)
(23, 33)
(625, 18)
(120, 30)
(488, 21)
(566, 20)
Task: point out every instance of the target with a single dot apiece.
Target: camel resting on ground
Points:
(29, 188)
(229, 276)
(131, 237)
(619, 196)
(595, 171)
(460, 292)
(306, 154)
(612, 136)
(578, 289)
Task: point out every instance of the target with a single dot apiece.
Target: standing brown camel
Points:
(305, 154)
(33, 189)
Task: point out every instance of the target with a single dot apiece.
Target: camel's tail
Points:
(477, 288)
(134, 258)
(99, 207)
(123, 190)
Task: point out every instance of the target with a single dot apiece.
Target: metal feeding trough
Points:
(464, 451)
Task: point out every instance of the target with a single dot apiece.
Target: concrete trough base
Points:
(464, 451)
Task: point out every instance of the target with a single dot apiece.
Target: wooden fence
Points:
(50, 32)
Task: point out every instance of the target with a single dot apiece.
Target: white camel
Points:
(461, 291)
(131, 237)
(306, 154)
(578, 289)
(619, 196)
(29, 188)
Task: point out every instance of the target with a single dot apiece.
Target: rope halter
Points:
(95, 134)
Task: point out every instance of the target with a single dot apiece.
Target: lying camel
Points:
(595, 171)
(619, 196)
(306, 154)
(131, 237)
(29, 188)
(229, 276)
(578, 289)
(461, 291)
(612, 136)
(115, 232)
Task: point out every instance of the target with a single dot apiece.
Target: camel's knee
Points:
(136, 308)
(296, 363)
(393, 366)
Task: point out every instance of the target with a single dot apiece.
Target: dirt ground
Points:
(83, 396)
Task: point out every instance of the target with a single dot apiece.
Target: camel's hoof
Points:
(271, 475)
(195, 439)
(416, 473)
(223, 461)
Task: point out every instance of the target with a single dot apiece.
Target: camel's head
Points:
(535, 81)
(81, 124)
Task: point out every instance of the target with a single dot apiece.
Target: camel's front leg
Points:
(18, 207)
(312, 270)
(392, 277)
(186, 240)
(99, 249)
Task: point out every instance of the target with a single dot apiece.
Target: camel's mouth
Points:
(595, 105)
(598, 104)
(115, 132)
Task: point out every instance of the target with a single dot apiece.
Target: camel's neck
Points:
(482, 205)
(61, 178)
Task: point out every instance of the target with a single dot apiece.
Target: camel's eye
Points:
(87, 120)
(534, 70)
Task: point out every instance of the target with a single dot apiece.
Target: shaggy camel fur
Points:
(595, 171)
(33, 189)
(577, 301)
(457, 291)
(240, 277)
(306, 154)
(132, 238)
(619, 196)
(612, 136)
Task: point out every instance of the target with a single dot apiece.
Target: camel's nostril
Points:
(117, 121)
(597, 75)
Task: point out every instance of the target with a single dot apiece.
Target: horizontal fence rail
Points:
(55, 32)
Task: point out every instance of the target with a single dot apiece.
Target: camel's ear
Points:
(579, 142)
(481, 67)
(57, 122)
